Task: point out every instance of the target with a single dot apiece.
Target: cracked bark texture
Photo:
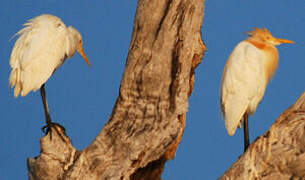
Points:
(148, 119)
(279, 153)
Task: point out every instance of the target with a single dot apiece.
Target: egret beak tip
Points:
(82, 53)
(282, 41)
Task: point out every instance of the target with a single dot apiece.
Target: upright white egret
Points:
(246, 75)
(44, 44)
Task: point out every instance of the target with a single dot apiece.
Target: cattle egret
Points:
(246, 75)
(44, 44)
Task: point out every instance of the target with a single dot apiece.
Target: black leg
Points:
(49, 123)
(45, 105)
(246, 132)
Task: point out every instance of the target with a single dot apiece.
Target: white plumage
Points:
(244, 85)
(246, 75)
(44, 44)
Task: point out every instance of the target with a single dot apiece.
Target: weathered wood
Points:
(279, 153)
(147, 122)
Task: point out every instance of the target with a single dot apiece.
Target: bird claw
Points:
(48, 129)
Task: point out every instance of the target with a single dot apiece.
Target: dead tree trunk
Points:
(148, 119)
(279, 153)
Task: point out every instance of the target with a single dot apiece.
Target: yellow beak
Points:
(281, 41)
(82, 53)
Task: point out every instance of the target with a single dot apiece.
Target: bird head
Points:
(265, 36)
(77, 39)
(81, 51)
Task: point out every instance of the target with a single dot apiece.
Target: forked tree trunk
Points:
(279, 153)
(148, 119)
(147, 122)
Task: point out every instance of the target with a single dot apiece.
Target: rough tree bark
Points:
(279, 153)
(148, 119)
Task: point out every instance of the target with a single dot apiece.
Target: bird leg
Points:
(246, 132)
(49, 123)
(45, 105)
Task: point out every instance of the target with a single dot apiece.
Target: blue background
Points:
(82, 98)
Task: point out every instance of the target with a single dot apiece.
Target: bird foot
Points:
(59, 129)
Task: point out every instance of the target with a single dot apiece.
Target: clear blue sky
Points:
(82, 98)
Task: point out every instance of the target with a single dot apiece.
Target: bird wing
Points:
(39, 50)
(243, 84)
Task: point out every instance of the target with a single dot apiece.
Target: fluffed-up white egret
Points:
(248, 70)
(44, 44)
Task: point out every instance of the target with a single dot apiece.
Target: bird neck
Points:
(273, 61)
(271, 54)
(71, 45)
(257, 43)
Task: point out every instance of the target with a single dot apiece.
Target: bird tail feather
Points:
(15, 81)
(235, 108)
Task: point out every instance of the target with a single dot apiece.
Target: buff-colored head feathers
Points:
(265, 36)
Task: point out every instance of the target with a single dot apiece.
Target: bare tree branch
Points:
(279, 153)
(148, 120)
